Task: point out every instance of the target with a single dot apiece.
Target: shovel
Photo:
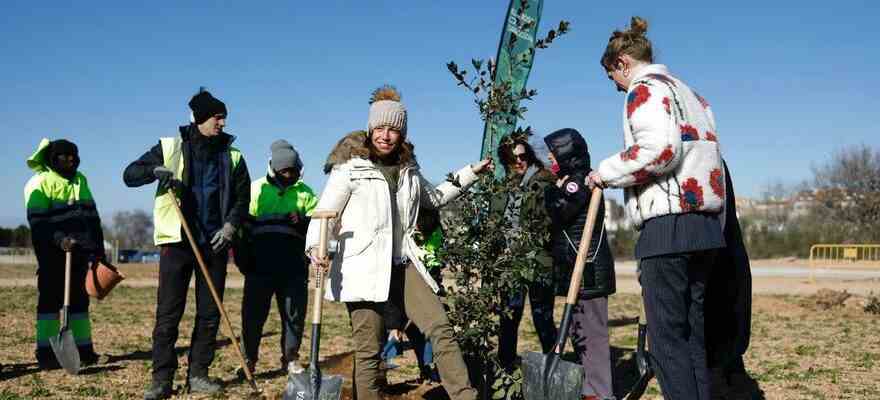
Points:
(546, 376)
(231, 331)
(312, 384)
(64, 345)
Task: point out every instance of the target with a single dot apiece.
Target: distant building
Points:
(775, 212)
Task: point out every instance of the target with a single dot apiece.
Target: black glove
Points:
(166, 178)
(223, 238)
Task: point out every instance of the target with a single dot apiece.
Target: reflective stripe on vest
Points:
(271, 206)
(59, 213)
(166, 224)
(52, 199)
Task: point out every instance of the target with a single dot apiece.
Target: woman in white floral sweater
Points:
(673, 184)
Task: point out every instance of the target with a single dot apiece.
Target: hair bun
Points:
(638, 26)
(631, 42)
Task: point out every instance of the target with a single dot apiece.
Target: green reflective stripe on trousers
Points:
(81, 327)
(46, 328)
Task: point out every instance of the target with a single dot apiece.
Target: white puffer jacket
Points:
(672, 161)
(361, 270)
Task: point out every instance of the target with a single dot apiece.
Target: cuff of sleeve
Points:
(607, 173)
(466, 176)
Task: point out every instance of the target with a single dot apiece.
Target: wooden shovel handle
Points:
(219, 302)
(584, 247)
(68, 260)
(324, 216)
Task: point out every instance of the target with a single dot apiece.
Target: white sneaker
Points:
(294, 367)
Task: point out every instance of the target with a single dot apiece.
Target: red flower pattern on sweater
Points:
(691, 195)
(636, 98)
(689, 133)
(666, 105)
(716, 180)
(665, 156)
(630, 154)
(711, 136)
(641, 176)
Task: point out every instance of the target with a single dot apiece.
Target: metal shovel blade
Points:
(564, 383)
(313, 385)
(641, 384)
(64, 347)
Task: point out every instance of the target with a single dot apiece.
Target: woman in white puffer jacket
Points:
(376, 185)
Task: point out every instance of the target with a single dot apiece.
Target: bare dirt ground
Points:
(799, 350)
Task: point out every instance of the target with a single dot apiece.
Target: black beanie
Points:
(62, 147)
(204, 106)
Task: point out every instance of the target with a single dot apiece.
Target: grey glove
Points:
(165, 177)
(223, 238)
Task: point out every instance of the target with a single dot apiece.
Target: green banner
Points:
(513, 64)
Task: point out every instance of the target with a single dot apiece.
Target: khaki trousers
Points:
(419, 303)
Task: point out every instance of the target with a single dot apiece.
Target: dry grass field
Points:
(798, 350)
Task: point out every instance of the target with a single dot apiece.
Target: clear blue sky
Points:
(789, 81)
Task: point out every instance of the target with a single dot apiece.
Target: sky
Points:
(790, 82)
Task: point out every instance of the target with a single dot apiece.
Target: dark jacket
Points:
(270, 252)
(567, 207)
(234, 185)
(729, 291)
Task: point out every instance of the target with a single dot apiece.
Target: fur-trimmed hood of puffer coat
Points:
(355, 145)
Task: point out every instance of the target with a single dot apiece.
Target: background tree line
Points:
(130, 229)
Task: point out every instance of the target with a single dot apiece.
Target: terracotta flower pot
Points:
(101, 279)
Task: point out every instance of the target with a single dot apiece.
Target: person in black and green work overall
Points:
(280, 210)
(209, 176)
(63, 217)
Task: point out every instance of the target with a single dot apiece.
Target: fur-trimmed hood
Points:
(355, 145)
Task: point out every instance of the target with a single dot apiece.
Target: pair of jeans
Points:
(674, 290)
(177, 263)
(418, 343)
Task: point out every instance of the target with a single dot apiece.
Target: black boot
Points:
(92, 358)
(159, 390)
(48, 364)
(46, 359)
(202, 384)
